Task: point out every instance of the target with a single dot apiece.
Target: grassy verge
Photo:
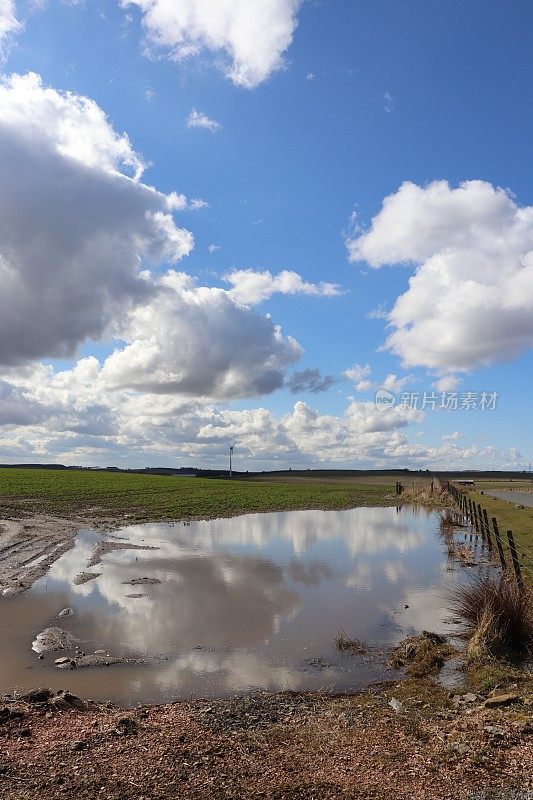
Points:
(519, 520)
(146, 497)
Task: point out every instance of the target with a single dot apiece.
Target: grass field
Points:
(147, 497)
(519, 520)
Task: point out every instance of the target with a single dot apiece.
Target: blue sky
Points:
(371, 95)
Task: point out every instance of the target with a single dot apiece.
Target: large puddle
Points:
(231, 605)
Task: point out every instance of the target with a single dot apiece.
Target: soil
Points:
(305, 747)
(29, 546)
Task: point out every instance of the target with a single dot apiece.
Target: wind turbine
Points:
(231, 446)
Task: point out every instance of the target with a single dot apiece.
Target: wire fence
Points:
(502, 548)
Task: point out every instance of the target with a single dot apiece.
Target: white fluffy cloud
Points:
(74, 230)
(74, 416)
(197, 119)
(470, 301)
(77, 239)
(249, 38)
(359, 374)
(9, 23)
(251, 286)
(199, 342)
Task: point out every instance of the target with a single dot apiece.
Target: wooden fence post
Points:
(514, 556)
(499, 543)
(487, 529)
(481, 523)
(476, 523)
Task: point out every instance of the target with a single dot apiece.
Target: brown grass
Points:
(422, 655)
(346, 645)
(497, 615)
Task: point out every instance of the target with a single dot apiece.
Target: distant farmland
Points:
(145, 496)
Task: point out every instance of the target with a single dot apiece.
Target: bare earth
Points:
(29, 546)
(271, 746)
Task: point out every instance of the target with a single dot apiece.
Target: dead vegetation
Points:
(423, 655)
(344, 644)
(449, 521)
(497, 615)
(431, 495)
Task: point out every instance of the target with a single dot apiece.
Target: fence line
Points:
(479, 520)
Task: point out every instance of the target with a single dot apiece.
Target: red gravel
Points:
(271, 746)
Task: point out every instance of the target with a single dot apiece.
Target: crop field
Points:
(146, 497)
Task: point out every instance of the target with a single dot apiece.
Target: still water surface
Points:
(243, 603)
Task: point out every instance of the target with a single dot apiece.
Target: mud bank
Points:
(29, 546)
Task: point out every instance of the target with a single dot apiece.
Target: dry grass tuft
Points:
(422, 655)
(497, 615)
(346, 645)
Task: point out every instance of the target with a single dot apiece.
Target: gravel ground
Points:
(270, 746)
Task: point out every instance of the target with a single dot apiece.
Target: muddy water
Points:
(221, 607)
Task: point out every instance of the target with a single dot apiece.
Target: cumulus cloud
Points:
(248, 38)
(9, 24)
(309, 380)
(470, 300)
(447, 383)
(452, 437)
(75, 230)
(74, 416)
(359, 375)
(251, 286)
(198, 341)
(393, 383)
(197, 119)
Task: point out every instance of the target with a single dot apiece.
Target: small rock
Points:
(461, 747)
(52, 639)
(37, 696)
(79, 744)
(396, 705)
(501, 700)
(67, 612)
(127, 726)
(470, 697)
(66, 663)
(60, 661)
(496, 731)
(525, 728)
(100, 652)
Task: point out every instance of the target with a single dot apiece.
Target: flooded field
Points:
(215, 608)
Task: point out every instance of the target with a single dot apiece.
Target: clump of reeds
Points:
(423, 655)
(497, 614)
(344, 644)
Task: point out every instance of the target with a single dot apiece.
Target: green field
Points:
(519, 520)
(151, 497)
